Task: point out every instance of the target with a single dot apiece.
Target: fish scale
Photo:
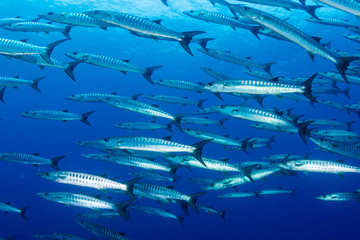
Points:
(159, 191)
(318, 166)
(35, 26)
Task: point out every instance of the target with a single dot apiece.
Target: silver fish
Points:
(32, 159)
(5, 207)
(58, 115)
(38, 27)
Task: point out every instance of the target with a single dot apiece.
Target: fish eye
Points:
(96, 11)
(106, 139)
(222, 107)
(50, 13)
(211, 83)
(75, 53)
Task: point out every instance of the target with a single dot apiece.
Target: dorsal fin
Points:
(171, 187)
(23, 40)
(155, 105)
(65, 110)
(158, 21)
(35, 154)
(126, 60)
(16, 76)
(249, 58)
(275, 79)
(167, 138)
(318, 39)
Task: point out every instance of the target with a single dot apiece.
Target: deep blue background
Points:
(272, 217)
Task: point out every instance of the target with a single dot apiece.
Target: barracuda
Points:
(333, 123)
(176, 100)
(290, 156)
(165, 194)
(79, 200)
(287, 4)
(159, 212)
(239, 179)
(237, 195)
(232, 58)
(264, 116)
(261, 87)
(179, 84)
(258, 74)
(335, 133)
(331, 22)
(274, 192)
(203, 121)
(144, 126)
(346, 149)
(7, 21)
(92, 97)
(143, 108)
(341, 197)
(65, 236)
(102, 214)
(75, 19)
(211, 211)
(152, 145)
(32, 159)
(58, 115)
(38, 60)
(154, 176)
(5, 207)
(112, 63)
(101, 231)
(17, 48)
(297, 36)
(18, 82)
(323, 166)
(337, 77)
(223, 140)
(233, 22)
(216, 74)
(90, 181)
(350, 6)
(133, 162)
(38, 27)
(273, 128)
(145, 26)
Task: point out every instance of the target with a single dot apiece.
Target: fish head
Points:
(249, 12)
(76, 97)
(77, 56)
(99, 14)
(214, 186)
(44, 195)
(329, 197)
(52, 176)
(12, 26)
(51, 15)
(4, 156)
(212, 86)
(222, 108)
(30, 114)
(194, 13)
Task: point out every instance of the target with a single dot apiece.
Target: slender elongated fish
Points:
(346, 149)
(32, 159)
(153, 145)
(216, 74)
(16, 82)
(335, 133)
(331, 22)
(258, 74)
(113, 63)
(102, 214)
(232, 58)
(297, 36)
(179, 84)
(38, 27)
(66, 236)
(291, 156)
(17, 48)
(89, 180)
(58, 115)
(5, 207)
(237, 195)
(177, 100)
(341, 197)
(154, 176)
(144, 126)
(274, 191)
(95, 97)
(85, 201)
(265, 116)
(350, 6)
(159, 212)
(211, 211)
(261, 87)
(165, 194)
(145, 26)
(273, 128)
(233, 22)
(102, 231)
(203, 121)
(7, 21)
(75, 19)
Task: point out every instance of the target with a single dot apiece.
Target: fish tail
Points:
(268, 66)
(130, 186)
(173, 170)
(343, 63)
(55, 161)
(69, 70)
(122, 207)
(181, 219)
(193, 199)
(84, 117)
(23, 211)
(245, 144)
(349, 124)
(222, 214)
(66, 32)
(185, 41)
(177, 121)
(48, 50)
(198, 150)
(203, 42)
(168, 127)
(259, 99)
(311, 10)
(35, 84)
(2, 94)
(165, 2)
(346, 92)
(200, 103)
(222, 122)
(148, 72)
(307, 91)
(303, 130)
(255, 30)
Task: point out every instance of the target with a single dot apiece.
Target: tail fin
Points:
(55, 161)
(121, 209)
(222, 121)
(255, 30)
(193, 199)
(272, 139)
(244, 145)
(349, 124)
(130, 186)
(198, 150)
(200, 103)
(173, 170)
(181, 219)
(69, 70)
(259, 99)
(303, 129)
(168, 127)
(177, 121)
(22, 212)
(307, 90)
(343, 63)
(346, 92)
(66, 32)
(267, 67)
(148, 72)
(311, 10)
(35, 84)
(2, 95)
(203, 42)
(222, 214)
(48, 50)
(165, 2)
(187, 38)
(85, 116)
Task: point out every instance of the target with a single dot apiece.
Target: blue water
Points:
(271, 217)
